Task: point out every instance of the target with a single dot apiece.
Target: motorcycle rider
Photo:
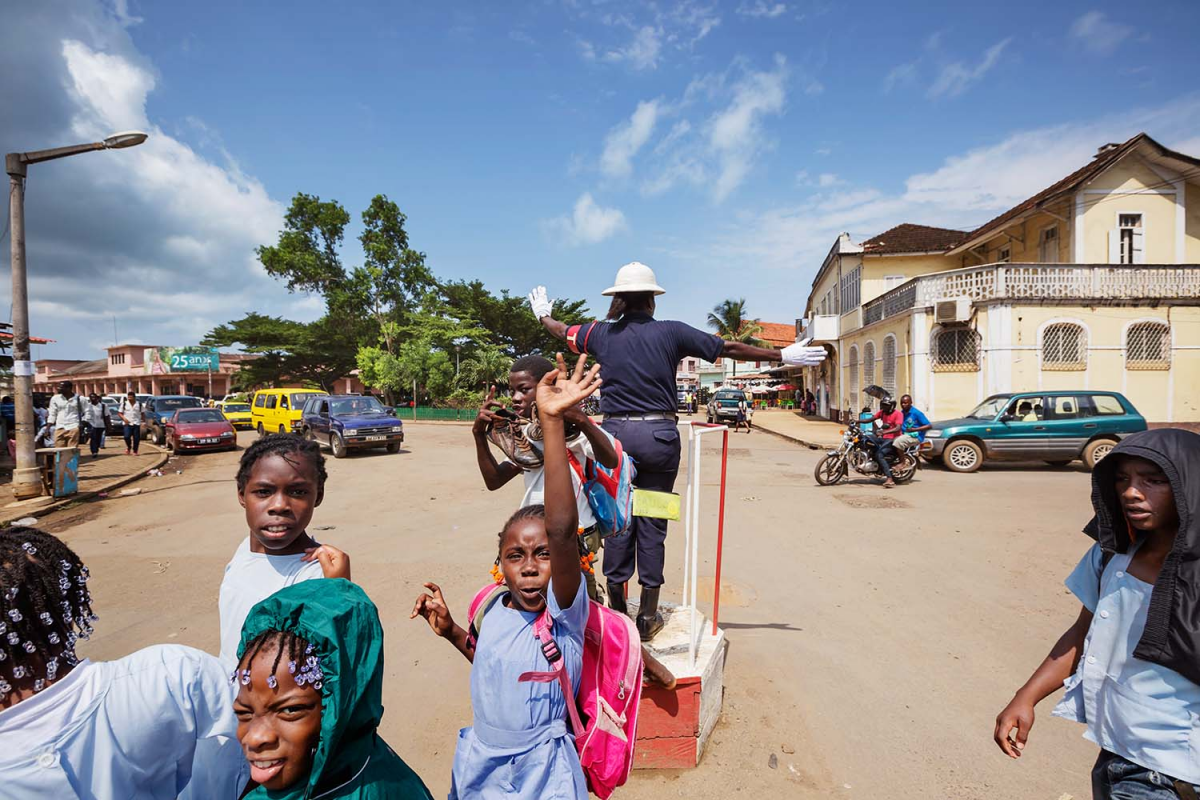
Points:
(891, 422)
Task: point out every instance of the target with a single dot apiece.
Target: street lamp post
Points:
(26, 481)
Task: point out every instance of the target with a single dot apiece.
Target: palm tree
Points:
(728, 319)
(485, 366)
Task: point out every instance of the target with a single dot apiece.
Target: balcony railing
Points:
(1084, 282)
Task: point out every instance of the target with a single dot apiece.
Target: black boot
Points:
(616, 598)
(649, 621)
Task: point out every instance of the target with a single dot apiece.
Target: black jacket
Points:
(1172, 634)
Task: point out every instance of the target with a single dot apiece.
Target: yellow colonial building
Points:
(1093, 283)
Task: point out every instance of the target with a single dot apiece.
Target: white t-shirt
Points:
(132, 412)
(249, 579)
(124, 728)
(535, 480)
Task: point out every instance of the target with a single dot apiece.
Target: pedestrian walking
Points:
(743, 418)
(66, 415)
(96, 417)
(1130, 663)
(639, 355)
(130, 413)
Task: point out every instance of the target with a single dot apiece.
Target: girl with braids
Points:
(280, 482)
(72, 728)
(310, 685)
(519, 745)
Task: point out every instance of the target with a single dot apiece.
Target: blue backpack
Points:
(609, 491)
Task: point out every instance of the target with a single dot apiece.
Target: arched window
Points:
(869, 367)
(1148, 346)
(1064, 347)
(956, 350)
(852, 367)
(889, 364)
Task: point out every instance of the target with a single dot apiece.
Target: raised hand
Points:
(433, 608)
(487, 413)
(540, 302)
(560, 390)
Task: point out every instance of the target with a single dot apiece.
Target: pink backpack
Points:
(604, 713)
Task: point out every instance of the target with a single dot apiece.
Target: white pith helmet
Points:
(634, 277)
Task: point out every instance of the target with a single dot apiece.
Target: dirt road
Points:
(874, 635)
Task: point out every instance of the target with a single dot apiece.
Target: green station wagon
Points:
(1052, 426)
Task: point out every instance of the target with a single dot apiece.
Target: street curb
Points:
(40, 511)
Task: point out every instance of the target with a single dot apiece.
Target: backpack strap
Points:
(541, 629)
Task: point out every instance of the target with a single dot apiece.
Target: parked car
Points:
(238, 414)
(114, 427)
(160, 409)
(723, 406)
(191, 429)
(350, 422)
(279, 410)
(1052, 426)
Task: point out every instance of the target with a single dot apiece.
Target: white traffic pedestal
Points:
(674, 725)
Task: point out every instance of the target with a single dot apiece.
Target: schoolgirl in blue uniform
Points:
(519, 745)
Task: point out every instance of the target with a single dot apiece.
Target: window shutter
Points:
(1114, 247)
(1139, 252)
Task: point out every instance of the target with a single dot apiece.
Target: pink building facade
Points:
(125, 370)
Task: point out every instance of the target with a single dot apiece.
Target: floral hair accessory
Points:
(245, 677)
(15, 615)
(28, 548)
(271, 682)
(497, 575)
(18, 671)
(310, 672)
(29, 647)
(46, 618)
(14, 637)
(233, 676)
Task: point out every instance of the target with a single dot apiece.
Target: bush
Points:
(464, 398)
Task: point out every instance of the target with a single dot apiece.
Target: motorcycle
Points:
(857, 452)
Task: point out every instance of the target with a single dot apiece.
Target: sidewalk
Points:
(108, 471)
(814, 433)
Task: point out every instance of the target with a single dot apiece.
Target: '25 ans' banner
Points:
(162, 360)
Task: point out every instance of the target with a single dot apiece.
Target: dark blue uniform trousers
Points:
(654, 447)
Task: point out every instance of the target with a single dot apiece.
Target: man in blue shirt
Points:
(914, 426)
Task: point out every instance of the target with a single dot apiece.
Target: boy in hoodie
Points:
(310, 698)
(1131, 660)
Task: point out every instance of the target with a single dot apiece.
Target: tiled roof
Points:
(909, 238)
(85, 367)
(777, 333)
(1103, 160)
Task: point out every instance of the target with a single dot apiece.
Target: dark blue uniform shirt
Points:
(638, 356)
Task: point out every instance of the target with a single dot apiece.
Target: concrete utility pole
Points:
(27, 483)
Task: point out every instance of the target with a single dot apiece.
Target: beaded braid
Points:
(303, 664)
(285, 445)
(45, 608)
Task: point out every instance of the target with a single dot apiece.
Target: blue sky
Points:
(724, 144)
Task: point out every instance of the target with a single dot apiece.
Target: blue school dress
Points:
(520, 745)
(1141, 711)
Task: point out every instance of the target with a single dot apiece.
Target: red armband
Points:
(573, 342)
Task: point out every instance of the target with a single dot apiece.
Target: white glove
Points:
(800, 355)
(541, 304)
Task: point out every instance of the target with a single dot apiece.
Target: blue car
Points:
(346, 422)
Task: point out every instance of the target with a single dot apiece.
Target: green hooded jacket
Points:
(337, 618)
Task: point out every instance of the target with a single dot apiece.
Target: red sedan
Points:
(200, 429)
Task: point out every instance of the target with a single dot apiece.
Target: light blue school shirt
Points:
(520, 745)
(120, 729)
(1139, 710)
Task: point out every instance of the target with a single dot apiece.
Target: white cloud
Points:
(736, 134)
(761, 9)
(588, 223)
(965, 191)
(1097, 34)
(520, 36)
(178, 227)
(957, 77)
(624, 141)
(827, 179)
(900, 75)
(642, 52)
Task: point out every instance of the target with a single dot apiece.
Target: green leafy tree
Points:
(487, 365)
(314, 353)
(728, 319)
(509, 323)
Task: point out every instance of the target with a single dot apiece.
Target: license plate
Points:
(208, 441)
(376, 438)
